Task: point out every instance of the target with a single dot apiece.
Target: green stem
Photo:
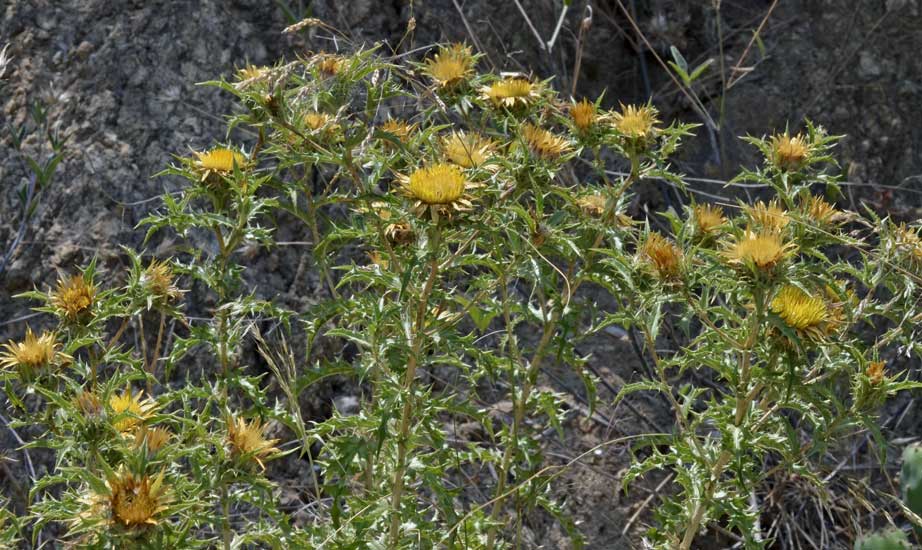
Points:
(520, 405)
(225, 520)
(744, 399)
(409, 393)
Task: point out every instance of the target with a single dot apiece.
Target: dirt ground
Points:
(119, 77)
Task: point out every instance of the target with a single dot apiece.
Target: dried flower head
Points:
(819, 211)
(788, 153)
(875, 372)
(763, 250)
(636, 123)
(399, 129)
(247, 440)
(770, 217)
(451, 65)
(467, 150)
(302, 24)
(708, 217)
(157, 279)
(399, 233)
(510, 92)
(583, 114)
(438, 188)
(90, 406)
(134, 502)
(34, 356)
(130, 410)
(73, 297)
(663, 256)
(544, 143)
(153, 439)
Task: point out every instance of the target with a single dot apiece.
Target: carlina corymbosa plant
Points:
(466, 232)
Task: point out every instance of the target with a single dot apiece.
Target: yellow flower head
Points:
(157, 278)
(154, 438)
(820, 211)
(135, 502)
(34, 356)
(376, 257)
(770, 217)
(909, 244)
(875, 371)
(329, 64)
(807, 314)
(317, 121)
(219, 160)
(708, 217)
(510, 92)
(663, 256)
(467, 150)
(129, 410)
(583, 114)
(73, 297)
(436, 187)
(251, 73)
(451, 65)
(788, 152)
(543, 143)
(635, 122)
(799, 309)
(247, 440)
(762, 250)
(399, 129)
(592, 205)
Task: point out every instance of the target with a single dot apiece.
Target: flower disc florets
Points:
(807, 314)
(157, 279)
(467, 150)
(583, 114)
(220, 160)
(510, 92)
(770, 217)
(32, 357)
(400, 129)
(453, 64)
(135, 502)
(762, 251)
(438, 188)
(130, 410)
(663, 256)
(247, 440)
(708, 218)
(789, 153)
(636, 123)
(73, 298)
(543, 143)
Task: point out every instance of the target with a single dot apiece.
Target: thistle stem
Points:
(409, 393)
(744, 399)
(531, 377)
(225, 520)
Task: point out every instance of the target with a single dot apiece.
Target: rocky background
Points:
(118, 78)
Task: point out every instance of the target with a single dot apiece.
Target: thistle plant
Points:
(465, 233)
